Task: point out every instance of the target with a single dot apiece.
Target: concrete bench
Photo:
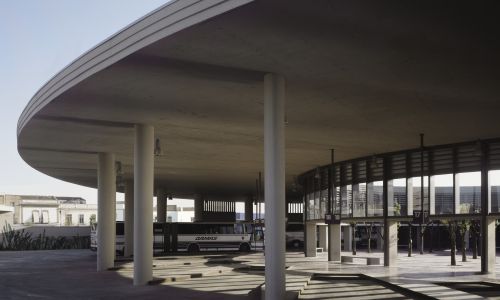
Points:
(319, 250)
(369, 260)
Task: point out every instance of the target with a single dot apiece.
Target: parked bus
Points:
(120, 237)
(194, 237)
(190, 237)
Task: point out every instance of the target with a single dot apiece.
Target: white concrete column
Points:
(143, 204)
(249, 209)
(274, 184)
(347, 235)
(380, 241)
(432, 195)
(420, 239)
(334, 235)
(390, 243)
(457, 193)
(409, 196)
(161, 205)
(323, 237)
(129, 218)
(106, 211)
(198, 208)
(488, 251)
(311, 241)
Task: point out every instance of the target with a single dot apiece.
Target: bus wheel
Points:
(193, 248)
(245, 247)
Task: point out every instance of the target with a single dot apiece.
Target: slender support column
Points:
(129, 218)
(323, 237)
(409, 196)
(106, 211)
(488, 223)
(249, 209)
(274, 166)
(380, 241)
(390, 226)
(143, 204)
(161, 205)
(198, 208)
(347, 235)
(420, 241)
(456, 192)
(432, 195)
(488, 252)
(311, 241)
(390, 243)
(334, 235)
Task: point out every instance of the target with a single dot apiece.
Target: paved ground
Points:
(70, 274)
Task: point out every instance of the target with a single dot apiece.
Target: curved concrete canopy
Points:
(363, 77)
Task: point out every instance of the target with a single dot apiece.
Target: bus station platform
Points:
(63, 274)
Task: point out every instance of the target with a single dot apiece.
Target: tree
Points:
(475, 232)
(452, 225)
(369, 236)
(353, 225)
(410, 241)
(463, 227)
(92, 219)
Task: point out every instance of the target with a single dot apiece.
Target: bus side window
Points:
(249, 228)
(238, 228)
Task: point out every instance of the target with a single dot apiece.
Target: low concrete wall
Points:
(6, 218)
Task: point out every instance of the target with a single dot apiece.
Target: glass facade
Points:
(450, 182)
(469, 192)
(444, 200)
(495, 190)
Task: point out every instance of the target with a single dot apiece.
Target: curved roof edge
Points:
(160, 23)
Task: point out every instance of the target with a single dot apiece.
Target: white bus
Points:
(190, 237)
(198, 236)
(120, 237)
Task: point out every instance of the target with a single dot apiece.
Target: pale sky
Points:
(37, 40)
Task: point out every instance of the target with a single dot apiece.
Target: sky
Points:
(37, 40)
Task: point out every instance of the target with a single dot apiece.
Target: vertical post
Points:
(420, 241)
(274, 162)
(143, 203)
(456, 183)
(161, 205)
(323, 237)
(390, 226)
(249, 209)
(409, 186)
(129, 218)
(198, 208)
(311, 241)
(106, 210)
(334, 238)
(488, 237)
(347, 233)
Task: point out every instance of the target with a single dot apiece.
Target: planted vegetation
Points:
(19, 240)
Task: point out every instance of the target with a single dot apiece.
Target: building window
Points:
(69, 220)
(45, 217)
(35, 216)
(81, 219)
